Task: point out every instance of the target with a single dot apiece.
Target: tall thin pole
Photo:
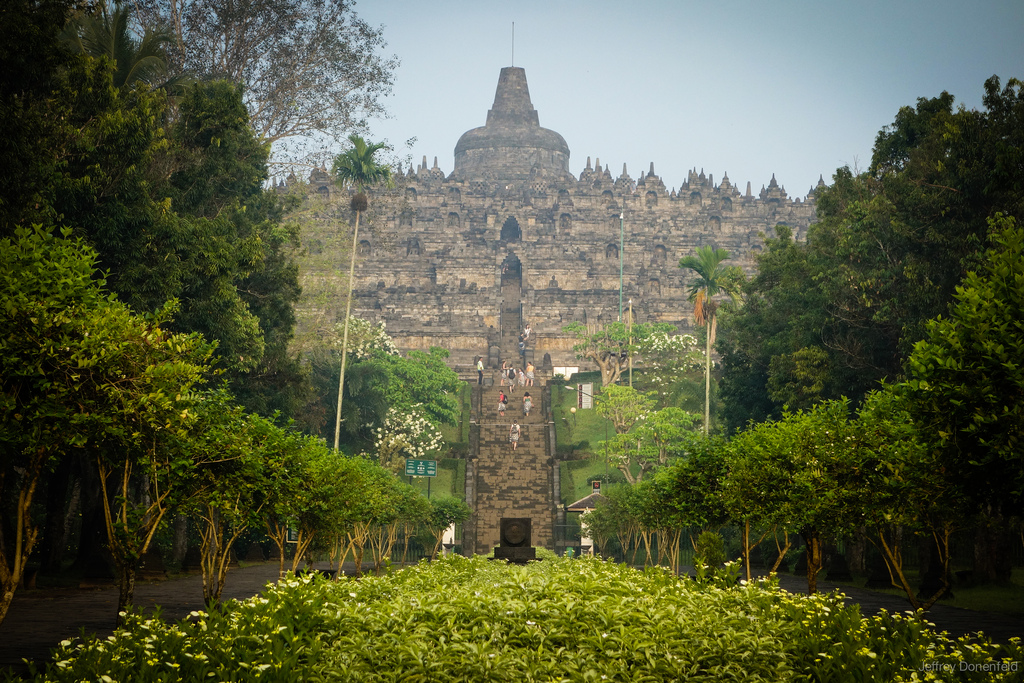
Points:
(707, 375)
(622, 243)
(513, 44)
(630, 324)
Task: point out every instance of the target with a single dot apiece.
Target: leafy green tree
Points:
(308, 491)
(311, 70)
(615, 510)
(379, 381)
(624, 406)
(783, 312)
(52, 310)
(755, 493)
(903, 488)
(390, 498)
(226, 491)
(125, 176)
(413, 513)
(109, 32)
(213, 173)
(444, 512)
(82, 371)
(145, 458)
(657, 438)
(422, 381)
(889, 248)
(797, 380)
(373, 502)
(693, 483)
(600, 526)
(671, 431)
(965, 380)
(404, 436)
(36, 100)
(814, 454)
(655, 510)
(612, 345)
(356, 168)
(713, 279)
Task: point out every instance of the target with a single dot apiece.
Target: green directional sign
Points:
(421, 468)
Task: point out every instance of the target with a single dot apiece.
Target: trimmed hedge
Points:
(559, 620)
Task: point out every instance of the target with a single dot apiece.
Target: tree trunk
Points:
(180, 544)
(6, 598)
(783, 549)
(58, 500)
(344, 340)
(992, 563)
(92, 537)
(25, 535)
(126, 571)
(856, 551)
(707, 378)
(746, 547)
(813, 541)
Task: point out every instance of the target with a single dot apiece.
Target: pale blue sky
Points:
(791, 87)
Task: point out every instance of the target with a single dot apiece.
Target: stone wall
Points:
(431, 261)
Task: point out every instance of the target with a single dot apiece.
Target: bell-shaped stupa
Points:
(511, 146)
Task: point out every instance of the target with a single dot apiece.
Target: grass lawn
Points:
(585, 425)
(459, 433)
(581, 432)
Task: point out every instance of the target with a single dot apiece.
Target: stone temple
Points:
(511, 236)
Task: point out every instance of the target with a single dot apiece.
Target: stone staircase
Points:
(506, 483)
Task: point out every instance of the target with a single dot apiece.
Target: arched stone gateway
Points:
(511, 270)
(510, 231)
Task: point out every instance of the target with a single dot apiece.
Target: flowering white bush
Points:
(405, 435)
(672, 356)
(365, 338)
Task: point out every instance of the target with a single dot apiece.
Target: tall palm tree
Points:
(356, 168)
(109, 32)
(712, 280)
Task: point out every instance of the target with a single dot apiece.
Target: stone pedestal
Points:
(515, 555)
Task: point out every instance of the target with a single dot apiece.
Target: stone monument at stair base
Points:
(516, 541)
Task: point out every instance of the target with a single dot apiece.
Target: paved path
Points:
(954, 620)
(39, 619)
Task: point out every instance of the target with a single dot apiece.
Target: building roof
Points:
(584, 504)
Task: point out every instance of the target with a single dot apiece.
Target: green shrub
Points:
(710, 549)
(462, 619)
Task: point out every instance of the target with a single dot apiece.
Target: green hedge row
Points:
(558, 620)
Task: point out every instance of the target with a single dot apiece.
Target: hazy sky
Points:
(790, 87)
